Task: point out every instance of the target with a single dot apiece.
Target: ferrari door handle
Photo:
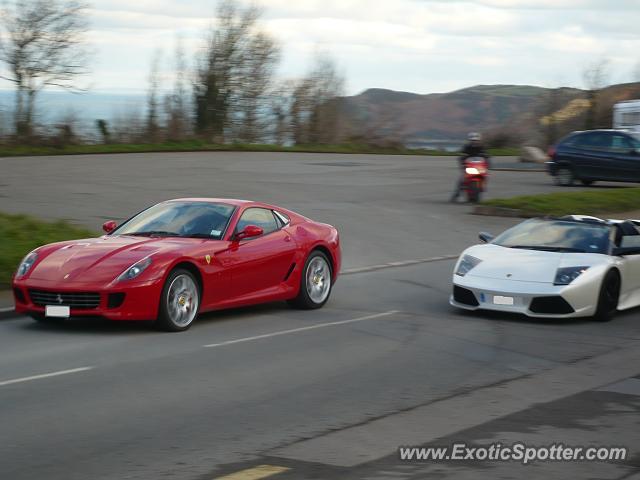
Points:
(287, 239)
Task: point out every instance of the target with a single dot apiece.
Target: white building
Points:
(626, 116)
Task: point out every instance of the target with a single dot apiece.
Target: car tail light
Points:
(552, 151)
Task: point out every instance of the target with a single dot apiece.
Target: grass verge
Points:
(19, 234)
(592, 202)
(198, 146)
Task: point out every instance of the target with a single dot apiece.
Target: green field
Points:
(19, 234)
(198, 146)
(593, 202)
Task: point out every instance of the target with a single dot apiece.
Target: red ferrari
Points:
(181, 257)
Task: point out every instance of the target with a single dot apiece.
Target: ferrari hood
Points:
(525, 265)
(98, 259)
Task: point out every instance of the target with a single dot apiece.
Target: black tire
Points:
(564, 176)
(167, 319)
(608, 298)
(304, 301)
(587, 183)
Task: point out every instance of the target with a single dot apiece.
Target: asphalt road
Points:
(388, 208)
(322, 394)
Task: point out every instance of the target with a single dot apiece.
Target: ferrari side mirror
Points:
(109, 226)
(250, 231)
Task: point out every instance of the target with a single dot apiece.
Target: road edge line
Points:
(397, 264)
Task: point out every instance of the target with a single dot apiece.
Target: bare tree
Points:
(234, 74)
(218, 71)
(280, 105)
(596, 78)
(103, 128)
(42, 45)
(3, 123)
(315, 109)
(129, 126)
(153, 127)
(176, 102)
(256, 77)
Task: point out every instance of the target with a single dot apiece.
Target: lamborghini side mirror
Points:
(485, 237)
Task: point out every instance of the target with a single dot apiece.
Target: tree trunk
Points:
(19, 112)
(31, 104)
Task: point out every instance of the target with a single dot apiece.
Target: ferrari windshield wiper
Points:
(548, 248)
(197, 235)
(151, 233)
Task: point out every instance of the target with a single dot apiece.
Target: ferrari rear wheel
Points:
(608, 299)
(179, 301)
(315, 284)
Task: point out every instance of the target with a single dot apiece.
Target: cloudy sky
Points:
(413, 45)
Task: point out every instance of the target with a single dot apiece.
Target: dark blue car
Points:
(608, 155)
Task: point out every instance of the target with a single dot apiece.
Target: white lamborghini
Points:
(574, 266)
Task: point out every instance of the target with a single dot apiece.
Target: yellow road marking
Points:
(255, 473)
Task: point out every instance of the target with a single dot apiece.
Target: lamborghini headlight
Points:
(467, 263)
(566, 275)
(135, 270)
(26, 264)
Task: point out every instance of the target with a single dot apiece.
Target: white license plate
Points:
(499, 300)
(60, 311)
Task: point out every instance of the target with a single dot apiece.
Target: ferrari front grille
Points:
(80, 300)
(464, 296)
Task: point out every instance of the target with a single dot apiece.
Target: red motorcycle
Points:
(476, 171)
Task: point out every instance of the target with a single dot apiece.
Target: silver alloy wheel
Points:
(318, 279)
(182, 300)
(564, 177)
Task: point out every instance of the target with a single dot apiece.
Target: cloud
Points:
(418, 45)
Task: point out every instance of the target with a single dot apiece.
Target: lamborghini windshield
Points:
(557, 236)
(180, 219)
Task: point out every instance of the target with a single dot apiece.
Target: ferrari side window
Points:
(260, 217)
(282, 219)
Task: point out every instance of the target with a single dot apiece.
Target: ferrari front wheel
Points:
(179, 301)
(315, 284)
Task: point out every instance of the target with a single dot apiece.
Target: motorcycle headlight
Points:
(566, 275)
(472, 171)
(467, 264)
(135, 270)
(26, 264)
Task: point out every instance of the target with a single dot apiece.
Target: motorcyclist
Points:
(473, 148)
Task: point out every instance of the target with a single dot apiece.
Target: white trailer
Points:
(626, 116)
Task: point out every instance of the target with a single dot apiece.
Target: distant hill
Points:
(441, 117)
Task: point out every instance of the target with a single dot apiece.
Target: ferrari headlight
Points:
(26, 264)
(566, 275)
(135, 270)
(467, 264)
(472, 171)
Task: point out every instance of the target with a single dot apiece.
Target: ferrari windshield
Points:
(557, 236)
(180, 219)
